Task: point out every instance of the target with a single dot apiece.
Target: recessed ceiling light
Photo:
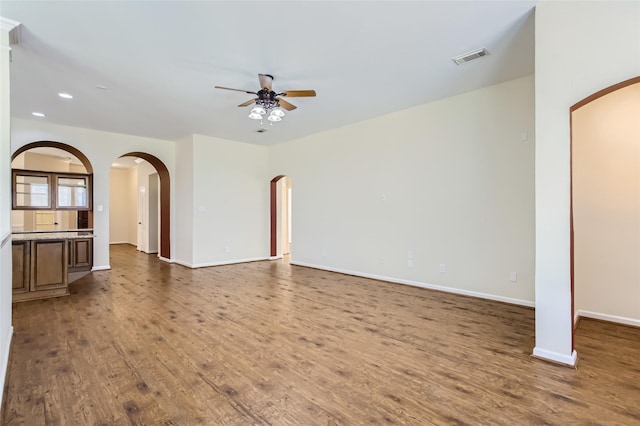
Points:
(38, 114)
(101, 87)
(138, 160)
(65, 95)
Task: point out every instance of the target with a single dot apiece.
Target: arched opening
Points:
(164, 192)
(605, 204)
(280, 225)
(44, 156)
(51, 144)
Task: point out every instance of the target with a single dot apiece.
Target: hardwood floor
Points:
(150, 343)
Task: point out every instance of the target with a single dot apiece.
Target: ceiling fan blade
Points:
(298, 93)
(249, 102)
(236, 90)
(265, 81)
(286, 105)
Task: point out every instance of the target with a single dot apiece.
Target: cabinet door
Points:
(49, 264)
(82, 253)
(21, 261)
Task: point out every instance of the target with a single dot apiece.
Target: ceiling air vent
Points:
(261, 130)
(461, 59)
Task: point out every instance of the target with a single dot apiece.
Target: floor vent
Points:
(470, 56)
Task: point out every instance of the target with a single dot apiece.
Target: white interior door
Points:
(142, 210)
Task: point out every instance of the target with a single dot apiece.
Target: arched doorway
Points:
(280, 213)
(165, 201)
(605, 204)
(84, 218)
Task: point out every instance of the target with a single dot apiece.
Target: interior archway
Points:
(586, 101)
(165, 200)
(276, 215)
(51, 144)
(71, 150)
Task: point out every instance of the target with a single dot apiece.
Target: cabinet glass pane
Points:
(32, 191)
(72, 192)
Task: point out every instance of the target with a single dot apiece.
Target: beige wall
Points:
(450, 182)
(120, 207)
(606, 206)
(230, 201)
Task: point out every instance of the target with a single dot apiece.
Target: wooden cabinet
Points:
(39, 269)
(80, 254)
(44, 264)
(49, 265)
(34, 190)
(21, 254)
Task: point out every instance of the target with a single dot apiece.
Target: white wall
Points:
(102, 148)
(6, 330)
(606, 206)
(231, 201)
(184, 210)
(450, 181)
(581, 48)
(121, 210)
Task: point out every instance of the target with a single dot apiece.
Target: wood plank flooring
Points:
(266, 343)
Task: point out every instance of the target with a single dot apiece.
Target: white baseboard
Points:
(421, 284)
(4, 367)
(164, 259)
(101, 268)
(119, 242)
(609, 318)
(569, 360)
(275, 257)
(224, 262)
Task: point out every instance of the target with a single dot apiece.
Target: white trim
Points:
(275, 257)
(4, 367)
(224, 262)
(120, 242)
(609, 318)
(6, 238)
(164, 259)
(421, 284)
(7, 24)
(101, 268)
(569, 360)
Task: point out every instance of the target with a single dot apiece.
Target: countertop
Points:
(28, 236)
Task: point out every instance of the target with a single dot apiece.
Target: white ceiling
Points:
(160, 61)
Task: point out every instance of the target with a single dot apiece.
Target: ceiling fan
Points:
(270, 101)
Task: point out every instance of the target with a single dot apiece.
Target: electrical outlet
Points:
(513, 277)
(443, 268)
(410, 263)
(226, 249)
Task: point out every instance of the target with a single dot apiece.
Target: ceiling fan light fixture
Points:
(255, 115)
(258, 109)
(274, 118)
(278, 112)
